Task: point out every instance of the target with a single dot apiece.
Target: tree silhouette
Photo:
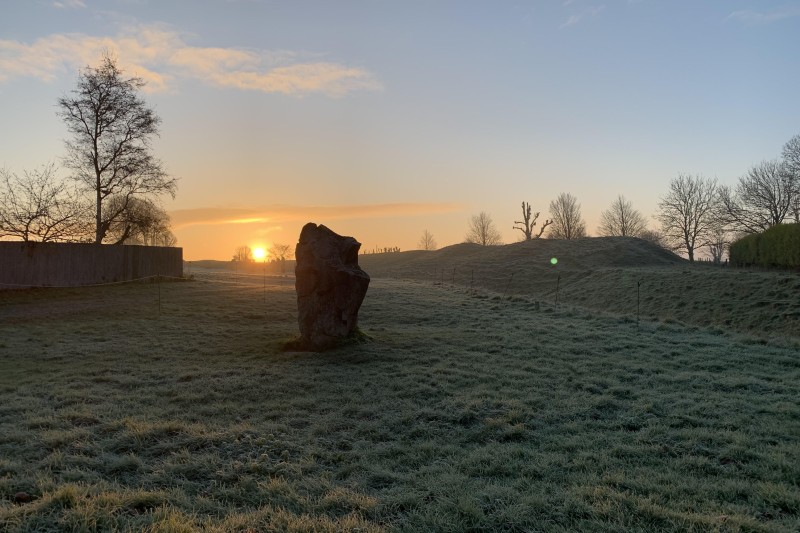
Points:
(39, 207)
(427, 242)
(763, 198)
(565, 212)
(621, 220)
(482, 230)
(279, 253)
(109, 152)
(687, 212)
(243, 254)
(141, 222)
(791, 162)
(528, 222)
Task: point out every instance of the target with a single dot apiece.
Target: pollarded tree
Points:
(427, 242)
(763, 198)
(40, 207)
(565, 211)
(109, 151)
(621, 220)
(529, 221)
(687, 213)
(482, 230)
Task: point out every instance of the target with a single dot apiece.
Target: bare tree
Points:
(796, 204)
(529, 221)
(243, 254)
(791, 162)
(109, 152)
(762, 198)
(141, 222)
(482, 230)
(280, 251)
(39, 207)
(565, 212)
(687, 212)
(718, 242)
(621, 220)
(279, 254)
(427, 242)
(655, 237)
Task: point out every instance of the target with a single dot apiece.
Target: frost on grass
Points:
(596, 425)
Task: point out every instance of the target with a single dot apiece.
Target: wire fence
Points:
(151, 296)
(734, 299)
(636, 294)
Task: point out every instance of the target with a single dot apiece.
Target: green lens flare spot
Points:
(553, 261)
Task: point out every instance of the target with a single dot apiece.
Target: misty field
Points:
(465, 411)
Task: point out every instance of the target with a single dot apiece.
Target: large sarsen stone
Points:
(330, 286)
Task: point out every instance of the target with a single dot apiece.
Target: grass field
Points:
(465, 412)
(604, 274)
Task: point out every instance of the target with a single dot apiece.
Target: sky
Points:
(382, 119)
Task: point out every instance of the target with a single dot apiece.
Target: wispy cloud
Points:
(582, 14)
(763, 17)
(276, 215)
(161, 56)
(69, 4)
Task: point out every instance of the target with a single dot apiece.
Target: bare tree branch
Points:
(529, 221)
(138, 221)
(687, 212)
(427, 242)
(762, 198)
(39, 207)
(482, 230)
(621, 220)
(109, 151)
(565, 212)
(791, 162)
(243, 254)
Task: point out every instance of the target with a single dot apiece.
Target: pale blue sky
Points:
(447, 108)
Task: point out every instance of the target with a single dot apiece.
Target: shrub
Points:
(779, 246)
(744, 252)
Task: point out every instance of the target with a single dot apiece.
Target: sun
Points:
(259, 254)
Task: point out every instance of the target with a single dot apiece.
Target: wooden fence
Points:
(37, 264)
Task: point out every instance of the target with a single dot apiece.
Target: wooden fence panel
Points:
(37, 264)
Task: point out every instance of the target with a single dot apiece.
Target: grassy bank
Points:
(604, 274)
(465, 412)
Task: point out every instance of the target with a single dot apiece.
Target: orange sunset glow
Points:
(399, 266)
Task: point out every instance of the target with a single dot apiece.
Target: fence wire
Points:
(636, 295)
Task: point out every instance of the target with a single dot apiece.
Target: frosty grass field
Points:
(464, 411)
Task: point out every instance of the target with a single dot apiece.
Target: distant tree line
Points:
(109, 196)
(696, 213)
(385, 250)
(276, 256)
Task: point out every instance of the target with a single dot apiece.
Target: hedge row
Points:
(779, 246)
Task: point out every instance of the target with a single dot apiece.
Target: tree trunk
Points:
(98, 235)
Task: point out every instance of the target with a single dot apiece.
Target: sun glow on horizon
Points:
(259, 253)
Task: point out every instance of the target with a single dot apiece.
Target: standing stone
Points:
(330, 286)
